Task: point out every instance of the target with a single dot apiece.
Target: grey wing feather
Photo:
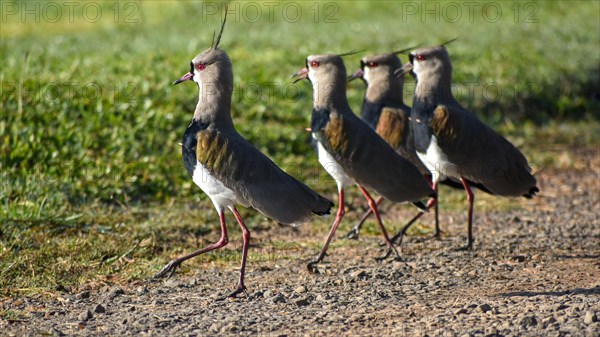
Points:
(259, 182)
(486, 157)
(375, 164)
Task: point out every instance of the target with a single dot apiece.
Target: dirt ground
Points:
(535, 271)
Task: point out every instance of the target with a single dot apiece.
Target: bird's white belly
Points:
(437, 162)
(220, 194)
(335, 170)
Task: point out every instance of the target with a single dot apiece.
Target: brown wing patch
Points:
(391, 126)
(212, 150)
(335, 133)
(444, 123)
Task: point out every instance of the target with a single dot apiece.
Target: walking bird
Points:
(350, 151)
(383, 109)
(229, 169)
(452, 142)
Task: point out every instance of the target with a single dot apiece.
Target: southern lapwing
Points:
(452, 142)
(229, 169)
(383, 109)
(350, 151)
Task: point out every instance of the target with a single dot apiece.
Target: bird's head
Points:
(210, 66)
(428, 63)
(327, 74)
(377, 68)
(326, 68)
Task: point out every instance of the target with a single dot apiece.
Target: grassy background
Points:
(92, 180)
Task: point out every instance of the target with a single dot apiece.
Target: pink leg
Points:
(438, 231)
(373, 206)
(338, 218)
(246, 236)
(434, 186)
(353, 234)
(169, 269)
(397, 239)
(471, 199)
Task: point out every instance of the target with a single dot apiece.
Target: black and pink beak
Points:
(407, 68)
(358, 74)
(184, 78)
(301, 74)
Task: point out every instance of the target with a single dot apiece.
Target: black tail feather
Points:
(420, 205)
(458, 185)
(532, 192)
(327, 212)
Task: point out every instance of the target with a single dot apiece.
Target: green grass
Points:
(92, 180)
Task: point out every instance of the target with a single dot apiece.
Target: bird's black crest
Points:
(350, 53)
(403, 51)
(215, 44)
(449, 41)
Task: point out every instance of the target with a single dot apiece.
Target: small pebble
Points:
(279, 298)
(114, 293)
(560, 306)
(300, 289)
(485, 308)
(302, 302)
(461, 311)
(99, 309)
(84, 316)
(82, 295)
(528, 321)
(590, 317)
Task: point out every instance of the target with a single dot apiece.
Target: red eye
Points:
(200, 66)
(372, 64)
(314, 64)
(420, 57)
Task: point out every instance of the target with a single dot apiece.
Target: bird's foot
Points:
(436, 236)
(397, 239)
(313, 266)
(467, 248)
(168, 270)
(241, 288)
(353, 233)
(390, 252)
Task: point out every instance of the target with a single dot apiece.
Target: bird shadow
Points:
(584, 256)
(576, 291)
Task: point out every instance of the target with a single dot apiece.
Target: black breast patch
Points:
(420, 115)
(319, 119)
(189, 143)
(370, 113)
